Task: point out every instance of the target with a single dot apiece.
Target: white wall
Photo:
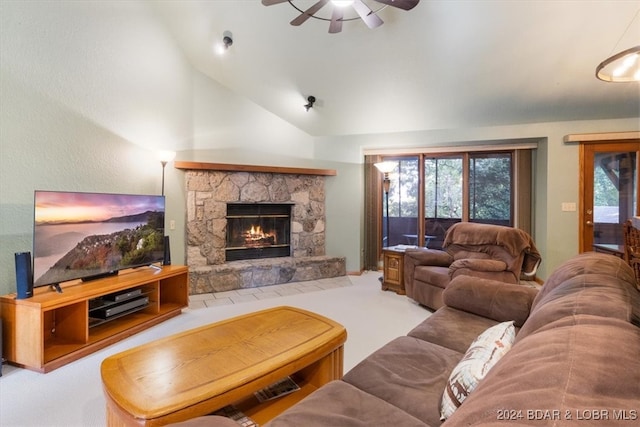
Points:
(90, 92)
(84, 106)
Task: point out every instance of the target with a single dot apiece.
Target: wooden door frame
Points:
(591, 143)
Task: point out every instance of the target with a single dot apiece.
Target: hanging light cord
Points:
(626, 30)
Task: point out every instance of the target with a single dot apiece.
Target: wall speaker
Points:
(167, 251)
(24, 275)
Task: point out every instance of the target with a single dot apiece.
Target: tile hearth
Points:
(263, 272)
(238, 296)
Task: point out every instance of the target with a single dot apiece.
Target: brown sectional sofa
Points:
(575, 361)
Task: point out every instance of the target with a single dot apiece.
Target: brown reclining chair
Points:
(480, 250)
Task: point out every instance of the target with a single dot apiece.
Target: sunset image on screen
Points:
(60, 207)
(84, 235)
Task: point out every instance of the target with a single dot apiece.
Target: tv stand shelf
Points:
(52, 329)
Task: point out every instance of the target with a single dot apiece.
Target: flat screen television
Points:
(91, 235)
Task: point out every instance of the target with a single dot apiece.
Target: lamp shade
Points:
(166, 156)
(385, 167)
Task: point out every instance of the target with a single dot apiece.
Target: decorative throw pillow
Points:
(483, 353)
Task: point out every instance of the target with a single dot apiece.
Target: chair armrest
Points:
(424, 256)
(478, 264)
(495, 300)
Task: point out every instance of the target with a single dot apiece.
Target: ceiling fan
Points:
(368, 15)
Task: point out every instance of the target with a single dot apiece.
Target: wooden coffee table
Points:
(199, 371)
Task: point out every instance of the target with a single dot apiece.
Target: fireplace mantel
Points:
(252, 168)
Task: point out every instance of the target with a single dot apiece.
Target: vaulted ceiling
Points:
(442, 65)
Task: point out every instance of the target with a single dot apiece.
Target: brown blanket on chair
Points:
(514, 240)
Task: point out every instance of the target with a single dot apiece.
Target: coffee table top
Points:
(217, 360)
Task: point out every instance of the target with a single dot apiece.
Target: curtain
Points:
(372, 213)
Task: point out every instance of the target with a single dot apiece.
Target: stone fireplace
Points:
(286, 209)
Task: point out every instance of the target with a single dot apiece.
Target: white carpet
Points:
(72, 395)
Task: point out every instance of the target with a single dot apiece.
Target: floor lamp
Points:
(386, 168)
(165, 157)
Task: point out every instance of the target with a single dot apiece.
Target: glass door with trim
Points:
(609, 193)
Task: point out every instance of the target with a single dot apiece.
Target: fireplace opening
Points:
(258, 230)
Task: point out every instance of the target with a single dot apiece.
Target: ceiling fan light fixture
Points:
(342, 3)
(364, 10)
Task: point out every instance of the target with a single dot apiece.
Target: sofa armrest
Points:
(490, 298)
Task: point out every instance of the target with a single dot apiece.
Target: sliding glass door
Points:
(443, 196)
(403, 203)
(429, 192)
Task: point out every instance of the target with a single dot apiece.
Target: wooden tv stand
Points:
(52, 329)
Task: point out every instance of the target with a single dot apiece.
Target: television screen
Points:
(89, 235)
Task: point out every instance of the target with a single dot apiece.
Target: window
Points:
(403, 203)
(403, 193)
(431, 192)
(490, 194)
(613, 190)
(443, 187)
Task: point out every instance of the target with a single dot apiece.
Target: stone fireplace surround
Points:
(210, 186)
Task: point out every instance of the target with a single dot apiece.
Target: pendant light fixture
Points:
(623, 66)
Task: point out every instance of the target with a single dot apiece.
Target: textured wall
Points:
(90, 91)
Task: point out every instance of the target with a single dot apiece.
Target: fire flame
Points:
(256, 232)
(257, 235)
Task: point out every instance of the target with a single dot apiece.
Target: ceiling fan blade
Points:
(307, 13)
(336, 20)
(371, 19)
(270, 2)
(402, 4)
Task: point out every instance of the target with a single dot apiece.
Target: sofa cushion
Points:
(512, 262)
(490, 298)
(433, 275)
(459, 253)
(451, 328)
(408, 373)
(573, 369)
(588, 263)
(341, 404)
(485, 351)
(604, 289)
